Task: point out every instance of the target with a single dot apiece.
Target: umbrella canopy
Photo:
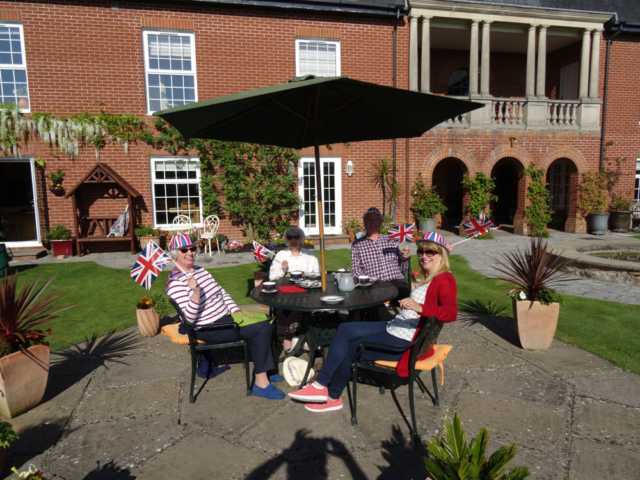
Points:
(338, 109)
(309, 112)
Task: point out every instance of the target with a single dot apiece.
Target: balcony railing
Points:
(529, 114)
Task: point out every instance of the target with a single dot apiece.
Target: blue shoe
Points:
(269, 392)
(277, 378)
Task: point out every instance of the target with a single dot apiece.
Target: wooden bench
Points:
(101, 223)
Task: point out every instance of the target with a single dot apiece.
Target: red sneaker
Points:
(310, 394)
(329, 406)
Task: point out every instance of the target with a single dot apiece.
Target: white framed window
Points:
(14, 87)
(170, 69)
(331, 194)
(317, 57)
(175, 185)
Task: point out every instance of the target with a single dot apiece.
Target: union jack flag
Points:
(479, 225)
(150, 263)
(259, 252)
(403, 233)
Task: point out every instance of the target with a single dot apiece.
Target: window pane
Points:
(171, 190)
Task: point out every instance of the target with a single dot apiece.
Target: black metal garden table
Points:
(318, 330)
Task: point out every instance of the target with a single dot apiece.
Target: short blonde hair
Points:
(423, 276)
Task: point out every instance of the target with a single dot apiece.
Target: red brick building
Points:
(64, 58)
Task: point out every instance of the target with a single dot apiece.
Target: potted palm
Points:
(61, 241)
(426, 205)
(593, 200)
(352, 226)
(146, 234)
(24, 351)
(536, 306)
(455, 458)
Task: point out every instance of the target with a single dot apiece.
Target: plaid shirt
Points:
(380, 259)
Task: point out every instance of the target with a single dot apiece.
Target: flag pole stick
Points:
(476, 235)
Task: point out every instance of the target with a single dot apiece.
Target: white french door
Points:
(331, 195)
(19, 202)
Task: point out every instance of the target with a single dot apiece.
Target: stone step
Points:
(27, 253)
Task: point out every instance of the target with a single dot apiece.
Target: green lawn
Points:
(107, 299)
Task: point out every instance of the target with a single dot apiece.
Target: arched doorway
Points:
(507, 173)
(562, 191)
(447, 177)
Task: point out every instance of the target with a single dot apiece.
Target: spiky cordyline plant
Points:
(21, 312)
(532, 271)
(456, 459)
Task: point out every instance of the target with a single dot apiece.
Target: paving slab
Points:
(542, 427)
(132, 369)
(125, 444)
(565, 361)
(606, 422)
(622, 388)
(600, 460)
(220, 459)
(484, 356)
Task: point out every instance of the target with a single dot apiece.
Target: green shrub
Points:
(58, 232)
(145, 231)
(426, 201)
(480, 190)
(538, 213)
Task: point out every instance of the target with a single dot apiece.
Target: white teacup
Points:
(296, 275)
(364, 280)
(268, 285)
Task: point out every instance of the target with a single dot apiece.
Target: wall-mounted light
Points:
(513, 140)
(349, 168)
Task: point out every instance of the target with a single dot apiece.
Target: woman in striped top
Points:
(204, 302)
(435, 297)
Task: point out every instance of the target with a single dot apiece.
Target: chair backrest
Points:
(211, 224)
(426, 339)
(180, 219)
(190, 330)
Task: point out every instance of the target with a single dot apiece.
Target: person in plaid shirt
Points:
(376, 256)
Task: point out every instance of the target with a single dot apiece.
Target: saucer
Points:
(275, 290)
(332, 299)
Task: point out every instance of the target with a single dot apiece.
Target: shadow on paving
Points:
(405, 461)
(502, 327)
(109, 471)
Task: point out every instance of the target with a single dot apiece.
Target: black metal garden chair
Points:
(426, 339)
(196, 346)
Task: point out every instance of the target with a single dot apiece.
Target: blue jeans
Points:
(336, 371)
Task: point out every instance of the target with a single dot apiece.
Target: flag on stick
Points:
(478, 226)
(403, 233)
(259, 252)
(150, 263)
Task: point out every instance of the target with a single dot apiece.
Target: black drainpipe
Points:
(606, 94)
(395, 32)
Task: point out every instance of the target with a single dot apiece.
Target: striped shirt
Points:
(214, 303)
(405, 323)
(380, 259)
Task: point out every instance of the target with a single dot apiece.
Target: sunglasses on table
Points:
(189, 249)
(428, 253)
(293, 237)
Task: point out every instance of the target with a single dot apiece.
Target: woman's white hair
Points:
(294, 231)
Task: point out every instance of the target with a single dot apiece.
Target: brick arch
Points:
(451, 66)
(440, 153)
(499, 153)
(568, 152)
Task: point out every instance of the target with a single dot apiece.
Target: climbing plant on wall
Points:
(538, 213)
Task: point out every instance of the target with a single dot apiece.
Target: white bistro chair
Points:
(209, 231)
(182, 224)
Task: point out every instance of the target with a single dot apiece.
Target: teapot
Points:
(346, 283)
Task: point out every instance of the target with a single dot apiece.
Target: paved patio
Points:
(119, 409)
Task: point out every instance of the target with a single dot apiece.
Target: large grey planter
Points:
(620, 221)
(599, 223)
(427, 225)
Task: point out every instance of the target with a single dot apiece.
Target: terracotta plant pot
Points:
(148, 322)
(23, 380)
(536, 324)
(352, 235)
(144, 241)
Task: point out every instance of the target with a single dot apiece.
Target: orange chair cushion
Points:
(440, 352)
(172, 332)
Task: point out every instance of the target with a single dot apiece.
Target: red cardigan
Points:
(441, 303)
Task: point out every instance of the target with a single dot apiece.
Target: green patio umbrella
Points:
(309, 112)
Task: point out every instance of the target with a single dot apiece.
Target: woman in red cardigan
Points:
(435, 296)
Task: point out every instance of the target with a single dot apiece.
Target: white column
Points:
(425, 75)
(486, 50)
(595, 64)
(531, 62)
(413, 54)
(584, 64)
(473, 62)
(542, 61)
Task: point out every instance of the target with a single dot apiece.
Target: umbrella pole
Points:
(323, 269)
